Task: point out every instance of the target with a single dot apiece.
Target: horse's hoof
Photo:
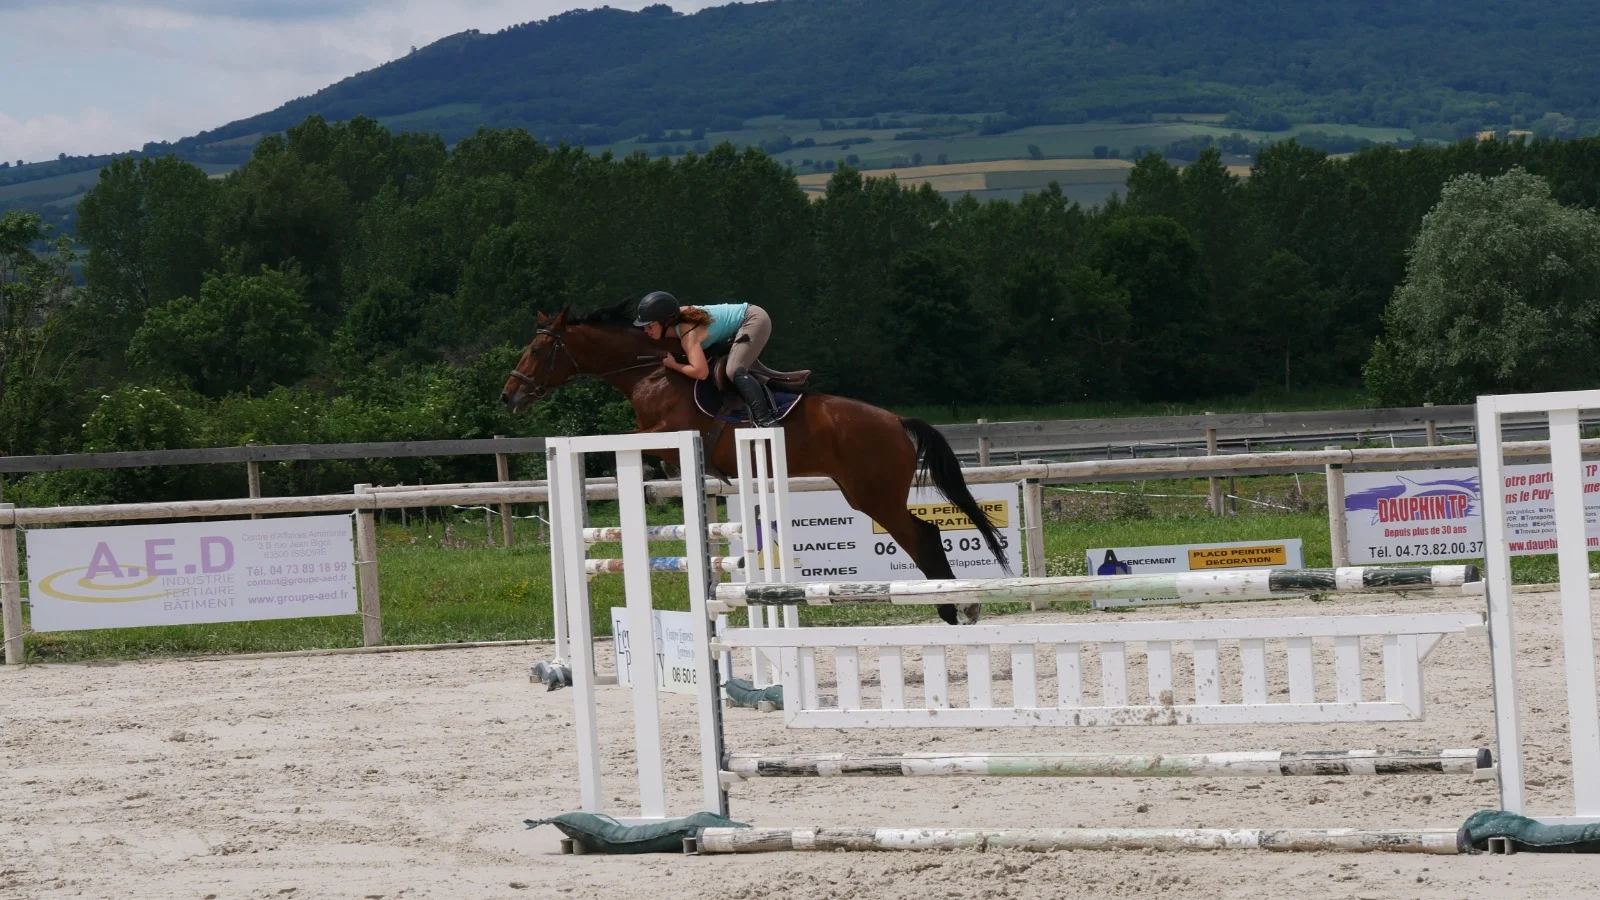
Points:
(968, 613)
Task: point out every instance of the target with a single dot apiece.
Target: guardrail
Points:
(1127, 439)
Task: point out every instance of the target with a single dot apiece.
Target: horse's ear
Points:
(560, 320)
(543, 320)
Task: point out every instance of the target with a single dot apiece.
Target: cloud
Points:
(103, 77)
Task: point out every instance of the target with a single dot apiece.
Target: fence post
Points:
(1033, 537)
(1338, 537)
(1433, 430)
(252, 471)
(367, 574)
(502, 473)
(984, 444)
(10, 590)
(1216, 483)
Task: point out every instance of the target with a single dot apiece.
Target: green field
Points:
(59, 187)
(957, 143)
(468, 591)
(970, 146)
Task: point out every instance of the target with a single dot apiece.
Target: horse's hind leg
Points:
(922, 541)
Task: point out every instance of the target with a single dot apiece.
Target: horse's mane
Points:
(621, 313)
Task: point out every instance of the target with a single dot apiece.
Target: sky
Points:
(103, 76)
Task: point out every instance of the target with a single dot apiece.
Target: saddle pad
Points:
(709, 399)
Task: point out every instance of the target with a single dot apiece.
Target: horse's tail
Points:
(937, 461)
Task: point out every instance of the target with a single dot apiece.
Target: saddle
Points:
(718, 398)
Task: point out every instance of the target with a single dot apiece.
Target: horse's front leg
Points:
(669, 458)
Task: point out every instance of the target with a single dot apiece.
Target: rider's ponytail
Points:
(693, 316)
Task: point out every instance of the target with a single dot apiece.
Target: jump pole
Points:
(614, 566)
(1237, 584)
(1440, 841)
(1478, 762)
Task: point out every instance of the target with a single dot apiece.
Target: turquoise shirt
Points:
(725, 321)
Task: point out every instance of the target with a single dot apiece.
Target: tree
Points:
(1034, 152)
(146, 223)
(1154, 188)
(931, 294)
(1502, 295)
(1157, 263)
(1288, 309)
(241, 333)
(35, 368)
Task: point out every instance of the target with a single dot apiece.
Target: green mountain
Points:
(1439, 68)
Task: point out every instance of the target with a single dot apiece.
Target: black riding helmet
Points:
(657, 306)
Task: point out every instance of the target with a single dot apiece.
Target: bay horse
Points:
(873, 455)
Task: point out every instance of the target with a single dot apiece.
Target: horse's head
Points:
(546, 365)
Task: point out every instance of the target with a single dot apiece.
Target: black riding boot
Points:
(755, 397)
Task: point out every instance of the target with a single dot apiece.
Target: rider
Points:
(741, 329)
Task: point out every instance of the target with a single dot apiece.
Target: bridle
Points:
(558, 345)
(540, 388)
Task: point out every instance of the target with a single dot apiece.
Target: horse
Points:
(873, 455)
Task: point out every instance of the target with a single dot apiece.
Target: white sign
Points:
(830, 541)
(178, 574)
(1284, 554)
(1396, 517)
(673, 650)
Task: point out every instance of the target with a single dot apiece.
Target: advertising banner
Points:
(833, 542)
(672, 651)
(1285, 554)
(178, 574)
(1423, 516)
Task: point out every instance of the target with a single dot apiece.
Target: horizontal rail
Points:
(1237, 584)
(1441, 841)
(1005, 437)
(1103, 632)
(715, 530)
(606, 489)
(269, 453)
(1159, 429)
(1233, 764)
(720, 564)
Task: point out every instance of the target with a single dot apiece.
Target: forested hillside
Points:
(1441, 67)
(353, 284)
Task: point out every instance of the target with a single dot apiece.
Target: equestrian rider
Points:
(740, 329)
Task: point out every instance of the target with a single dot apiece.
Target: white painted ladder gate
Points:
(764, 501)
(1577, 623)
(1406, 641)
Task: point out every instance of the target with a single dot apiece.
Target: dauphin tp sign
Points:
(134, 575)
